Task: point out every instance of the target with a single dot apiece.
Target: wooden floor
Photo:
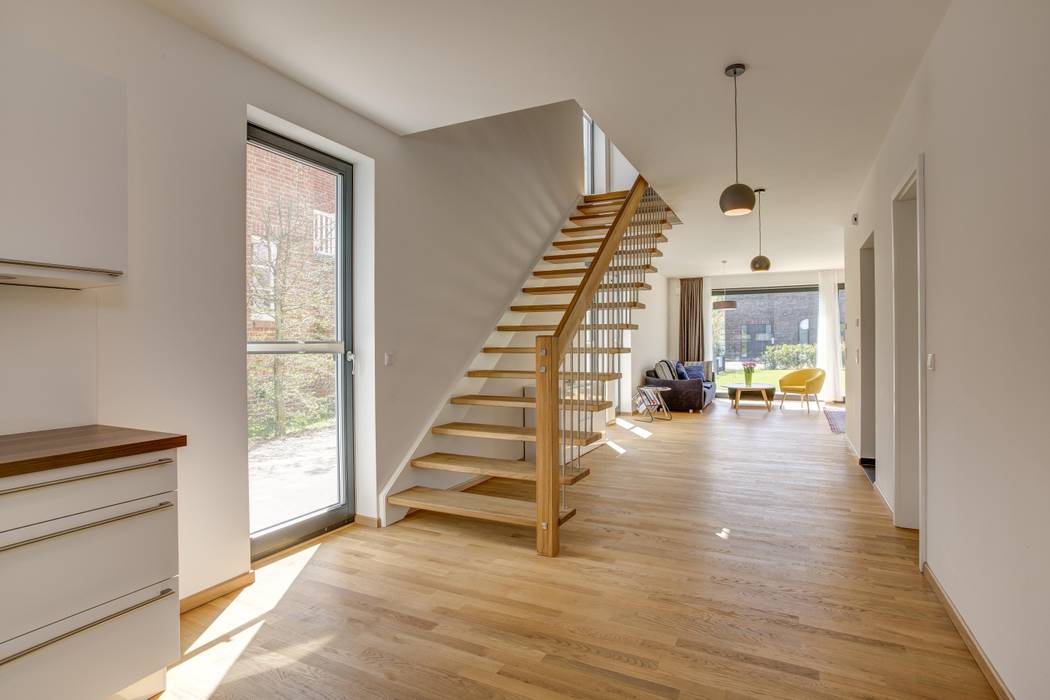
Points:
(720, 556)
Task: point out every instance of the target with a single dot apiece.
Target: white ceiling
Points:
(824, 81)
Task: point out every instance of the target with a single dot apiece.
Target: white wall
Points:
(459, 215)
(621, 173)
(47, 368)
(649, 342)
(981, 122)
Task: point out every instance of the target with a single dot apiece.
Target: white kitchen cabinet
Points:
(89, 604)
(63, 171)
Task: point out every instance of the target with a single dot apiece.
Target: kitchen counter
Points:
(26, 453)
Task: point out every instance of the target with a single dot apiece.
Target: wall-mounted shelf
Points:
(39, 274)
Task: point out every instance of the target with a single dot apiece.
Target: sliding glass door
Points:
(297, 243)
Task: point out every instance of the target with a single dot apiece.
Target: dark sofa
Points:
(685, 394)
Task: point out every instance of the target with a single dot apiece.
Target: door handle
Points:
(352, 360)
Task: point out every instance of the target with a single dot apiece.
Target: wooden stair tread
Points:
(531, 349)
(541, 327)
(584, 219)
(536, 308)
(520, 402)
(614, 205)
(581, 271)
(610, 207)
(472, 505)
(517, 469)
(502, 374)
(577, 257)
(529, 374)
(597, 229)
(495, 431)
(571, 288)
(595, 242)
(494, 400)
(605, 196)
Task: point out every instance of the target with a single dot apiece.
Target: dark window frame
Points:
(280, 537)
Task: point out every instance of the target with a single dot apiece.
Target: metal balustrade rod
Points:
(573, 364)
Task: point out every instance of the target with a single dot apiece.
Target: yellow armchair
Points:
(804, 382)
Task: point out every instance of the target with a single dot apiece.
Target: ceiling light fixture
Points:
(724, 304)
(737, 199)
(760, 263)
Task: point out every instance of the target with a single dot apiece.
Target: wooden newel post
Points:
(548, 446)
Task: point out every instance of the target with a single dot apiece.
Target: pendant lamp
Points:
(724, 304)
(737, 199)
(760, 263)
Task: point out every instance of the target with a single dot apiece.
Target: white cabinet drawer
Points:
(43, 496)
(93, 655)
(62, 567)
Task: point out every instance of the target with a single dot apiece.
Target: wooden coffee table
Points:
(764, 390)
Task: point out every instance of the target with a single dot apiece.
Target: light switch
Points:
(931, 362)
(388, 358)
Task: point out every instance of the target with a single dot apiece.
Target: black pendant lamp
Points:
(760, 263)
(723, 303)
(737, 199)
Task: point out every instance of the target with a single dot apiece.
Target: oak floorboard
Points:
(719, 556)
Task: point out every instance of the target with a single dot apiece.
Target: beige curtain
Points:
(691, 321)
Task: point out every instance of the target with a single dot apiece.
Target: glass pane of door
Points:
(293, 439)
(298, 395)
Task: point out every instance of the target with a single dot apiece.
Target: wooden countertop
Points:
(24, 453)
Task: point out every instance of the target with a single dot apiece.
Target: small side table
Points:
(765, 390)
(650, 399)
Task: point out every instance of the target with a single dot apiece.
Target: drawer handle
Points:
(117, 470)
(163, 505)
(165, 593)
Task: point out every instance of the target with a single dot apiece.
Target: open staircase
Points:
(566, 380)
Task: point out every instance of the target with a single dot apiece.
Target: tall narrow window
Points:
(297, 287)
(588, 154)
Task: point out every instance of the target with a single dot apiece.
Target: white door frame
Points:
(917, 178)
(920, 239)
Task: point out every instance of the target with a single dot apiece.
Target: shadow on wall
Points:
(486, 199)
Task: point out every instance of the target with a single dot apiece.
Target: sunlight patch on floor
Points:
(207, 661)
(635, 429)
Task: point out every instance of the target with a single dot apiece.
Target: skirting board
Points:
(300, 546)
(217, 591)
(994, 680)
(366, 521)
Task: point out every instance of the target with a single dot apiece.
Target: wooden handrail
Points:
(584, 296)
(550, 349)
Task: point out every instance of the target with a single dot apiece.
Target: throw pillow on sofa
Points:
(665, 370)
(695, 372)
(680, 370)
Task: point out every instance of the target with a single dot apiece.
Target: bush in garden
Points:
(789, 356)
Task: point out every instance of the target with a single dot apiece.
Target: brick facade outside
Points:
(761, 320)
(290, 272)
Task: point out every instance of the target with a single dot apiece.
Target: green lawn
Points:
(762, 376)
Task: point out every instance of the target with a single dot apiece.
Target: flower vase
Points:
(748, 376)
